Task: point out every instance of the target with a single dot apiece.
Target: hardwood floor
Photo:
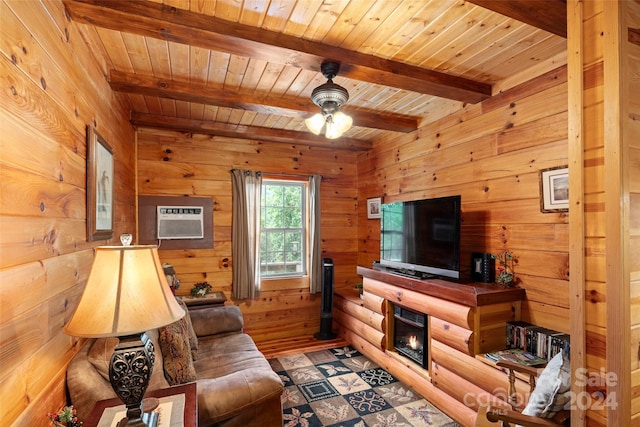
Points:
(295, 345)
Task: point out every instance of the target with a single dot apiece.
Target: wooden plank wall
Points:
(616, 195)
(632, 136)
(594, 188)
(611, 208)
(52, 85)
(490, 154)
(174, 164)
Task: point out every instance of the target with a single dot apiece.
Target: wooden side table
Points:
(190, 404)
(213, 299)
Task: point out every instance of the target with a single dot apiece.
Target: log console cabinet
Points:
(463, 322)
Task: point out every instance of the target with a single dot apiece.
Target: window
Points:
(283, 230)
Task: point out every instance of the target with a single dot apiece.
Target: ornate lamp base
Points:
(129, 373)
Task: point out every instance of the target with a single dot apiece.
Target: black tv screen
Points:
(421, 237)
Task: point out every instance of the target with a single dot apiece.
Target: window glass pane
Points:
(283, 231)
(263, 243)
(292, 217)
(276, 241)
(272, 195)
(272, 217)
(292, 196)
(293, 246)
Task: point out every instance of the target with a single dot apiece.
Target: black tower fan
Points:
(326, 315)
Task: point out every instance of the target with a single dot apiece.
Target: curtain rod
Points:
(290, 175)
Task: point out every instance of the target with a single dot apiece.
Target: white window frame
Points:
(304, 230)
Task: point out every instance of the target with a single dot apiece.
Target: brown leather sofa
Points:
(235, 384)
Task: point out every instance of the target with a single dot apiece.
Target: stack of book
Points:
(536, 340)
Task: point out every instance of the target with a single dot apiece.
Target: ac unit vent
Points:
(180, 222)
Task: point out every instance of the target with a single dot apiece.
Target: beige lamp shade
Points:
(126, 293)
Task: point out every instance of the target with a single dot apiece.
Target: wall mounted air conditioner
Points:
(180, 222)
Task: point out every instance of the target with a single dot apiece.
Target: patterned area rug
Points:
(341, 387)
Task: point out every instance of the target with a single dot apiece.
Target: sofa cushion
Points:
(157, 376)
(193, 338)
(100, 354)
(224, 355)
(217, 320)
(176, 352)
(234, 398)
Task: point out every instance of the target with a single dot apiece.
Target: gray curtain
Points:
(245, 233)
(315, 242)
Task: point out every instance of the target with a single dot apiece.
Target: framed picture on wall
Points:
(554, 189)
(100, 177)
(373, 207)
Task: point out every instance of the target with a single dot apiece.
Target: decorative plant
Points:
(200, 289)
(506, 275)
(65, 417)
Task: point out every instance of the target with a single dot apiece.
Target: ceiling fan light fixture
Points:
(329, 97)
(337, 124)
(315, 123)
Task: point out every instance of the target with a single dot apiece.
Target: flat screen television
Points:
(421, 237)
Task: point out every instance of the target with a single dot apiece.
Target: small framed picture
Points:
(100, 175)
(554, 189)
(373, 207)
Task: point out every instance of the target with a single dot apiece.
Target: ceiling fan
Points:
(329, 97)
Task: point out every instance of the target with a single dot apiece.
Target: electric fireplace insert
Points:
(410, 334)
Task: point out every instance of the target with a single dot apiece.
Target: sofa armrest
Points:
(225, 397)
(216, 320)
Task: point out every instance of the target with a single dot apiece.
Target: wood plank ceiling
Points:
(246, 68)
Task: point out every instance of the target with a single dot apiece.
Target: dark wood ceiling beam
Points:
(249, 101)
(548, 15)
(181, 26)
(176, 124)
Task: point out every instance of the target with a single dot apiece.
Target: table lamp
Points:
(127, 294)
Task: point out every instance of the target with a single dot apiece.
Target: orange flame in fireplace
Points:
(413, 342)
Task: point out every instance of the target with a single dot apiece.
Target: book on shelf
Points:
(557, 343)
(516, 355)
(516, 334)
(536, 340)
